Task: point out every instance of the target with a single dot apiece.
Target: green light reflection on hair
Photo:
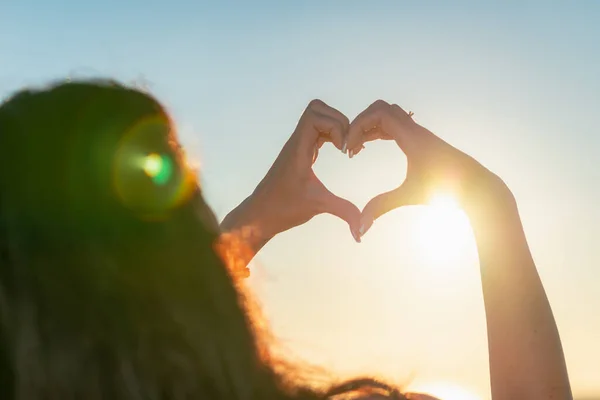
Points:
(158, 167)
(149, 176)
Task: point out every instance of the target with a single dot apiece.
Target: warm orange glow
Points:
(444, 230)
(235, 250)
(445, 391)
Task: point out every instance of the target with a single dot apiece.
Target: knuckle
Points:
(380, 104)
(316, 104)
(345, 121)
(397, 110)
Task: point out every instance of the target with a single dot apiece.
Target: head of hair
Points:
(111, 286)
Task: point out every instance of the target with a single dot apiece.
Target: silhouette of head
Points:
(110, 287)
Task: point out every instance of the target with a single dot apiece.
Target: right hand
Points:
(291, 194)
(432, 164)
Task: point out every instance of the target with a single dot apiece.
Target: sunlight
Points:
(444, 230)
(444, 391)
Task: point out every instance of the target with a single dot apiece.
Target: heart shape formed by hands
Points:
(367, 126)
(291, 193)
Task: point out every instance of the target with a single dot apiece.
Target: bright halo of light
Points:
(445, 391)
(443, 232)
(445, 201)
(153, 164)
(158, 167)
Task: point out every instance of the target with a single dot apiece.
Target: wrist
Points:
(488, 196)
(248, 223)
(243, 235)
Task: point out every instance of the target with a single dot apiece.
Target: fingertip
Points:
(355, 133)
(366, 221)
(357, 150)
(355, 235)
(337, 139)
(353, 140)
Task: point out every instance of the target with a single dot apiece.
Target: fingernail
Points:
(355, 236)
(345, 147)
(365, 224)
(351, 153)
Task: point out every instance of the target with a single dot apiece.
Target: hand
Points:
(432, 164)
(291, 194)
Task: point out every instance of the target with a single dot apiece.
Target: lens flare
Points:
(159, 168)
(150, 174)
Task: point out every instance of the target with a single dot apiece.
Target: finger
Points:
(399, 111)
(325, 122)
(386, 202)
(313, 131)
(321, 141)
(368, 122)
(325, 109)
(329, 129)
(375, 134)
(316, 129)
(370, 136)
(331, 204)
(355, 151)
(387, 121)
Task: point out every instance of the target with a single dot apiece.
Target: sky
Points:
(515, 85)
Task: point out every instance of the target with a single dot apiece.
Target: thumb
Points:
(384, 203)
(343, 209)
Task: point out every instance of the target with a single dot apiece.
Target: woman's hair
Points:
(111, 286)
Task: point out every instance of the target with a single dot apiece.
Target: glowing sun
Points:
(444, 231)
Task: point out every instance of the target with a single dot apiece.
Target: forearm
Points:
(526, 356)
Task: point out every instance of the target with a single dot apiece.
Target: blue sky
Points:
(515, 85)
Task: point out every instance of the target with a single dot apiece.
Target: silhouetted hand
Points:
(291, 194)
(432, 164)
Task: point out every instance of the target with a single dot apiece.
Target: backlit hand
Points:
(432, 164)
(291, 194)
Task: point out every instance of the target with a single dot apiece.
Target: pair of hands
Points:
(291, 194)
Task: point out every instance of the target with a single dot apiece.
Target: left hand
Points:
(290, 194)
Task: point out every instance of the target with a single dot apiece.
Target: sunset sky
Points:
(516, 86)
